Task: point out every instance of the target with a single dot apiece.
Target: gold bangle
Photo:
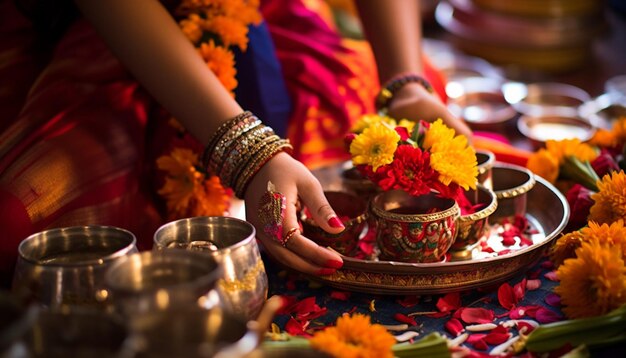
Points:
(221, 130)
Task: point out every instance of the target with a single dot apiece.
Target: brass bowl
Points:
(413, 229)
(511, 184)
(352, 210)
(471, 227)
(485, 161)
(552, 127)
(352, 181)
(232, 243)
(66, 266)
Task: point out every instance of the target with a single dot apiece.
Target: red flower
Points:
(410, 171)
(579, 200)
(604, 163)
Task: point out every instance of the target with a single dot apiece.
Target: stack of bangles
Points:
(239, 148)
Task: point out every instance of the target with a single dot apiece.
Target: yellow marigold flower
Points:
(593, 283)
(571, 147)
(565, 247)
(221, 61)
(455, 161)
(610, 200)
(409, 125)
(368, 120)
(231, 31)
(603, 138)
(375, 146)
(613, 235)
(438, 132)
(354, 337)
(544, 164)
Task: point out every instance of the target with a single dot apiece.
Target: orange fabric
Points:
(504, 152)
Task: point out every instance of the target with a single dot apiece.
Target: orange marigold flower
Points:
(610, 200)
(221, 61)
(231, 31)
(593, 283)
(544, 164)
(354, 337)
(565, 247)
(187, 191)
(619, 129)
(192, 28)
(603, 138)
(613, 235)
(571, 147)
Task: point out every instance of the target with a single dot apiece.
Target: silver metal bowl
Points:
(159, 280)
(232, 243)
(603, 111)
(77, 332)
(66, 266)
(192, 332)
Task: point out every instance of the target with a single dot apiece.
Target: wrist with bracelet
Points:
(239, 148)
(393, 85)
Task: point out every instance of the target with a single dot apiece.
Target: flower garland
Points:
(214, 27)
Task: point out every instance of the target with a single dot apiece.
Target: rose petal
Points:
(449, 302)
(409, 301)
(544, 315)
(533, 284)
(551, 276)
(340, 295)
(553, 299)
(506, 296)
(405, 319)
(454, 327)
(497, 338)
(475, 337)
(548, 265)
(477, 315)
(478, 342)
(519, 290)
(524, 326)
(296, 328)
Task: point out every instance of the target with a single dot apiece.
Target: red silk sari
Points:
(72, 145)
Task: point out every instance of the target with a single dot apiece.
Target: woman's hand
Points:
(293, 180)
(414, 102)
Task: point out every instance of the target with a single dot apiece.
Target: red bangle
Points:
(384, 97)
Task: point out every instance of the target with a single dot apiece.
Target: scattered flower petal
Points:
(477, 315)
(408, 335)
(454, 327)
(533, 284)
(553, 299)
(481, 327)
(449, 302)
(544, 315)
(551, 276)
(405, 319)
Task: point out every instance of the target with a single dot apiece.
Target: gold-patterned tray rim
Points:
(389, 277)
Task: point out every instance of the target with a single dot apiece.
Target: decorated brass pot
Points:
(472, 226)
(414, 229)
(352, 210)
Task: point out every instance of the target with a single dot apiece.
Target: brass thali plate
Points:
(547, 212)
